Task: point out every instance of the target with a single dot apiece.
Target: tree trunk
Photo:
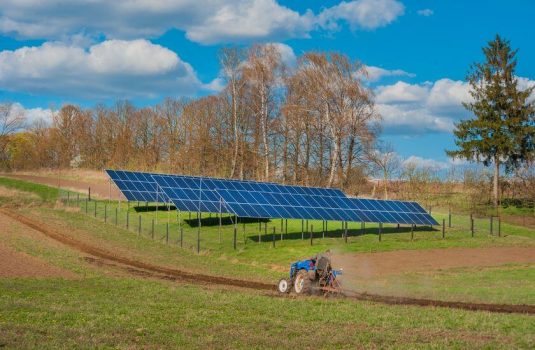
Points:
(235, 125)
(496, 187)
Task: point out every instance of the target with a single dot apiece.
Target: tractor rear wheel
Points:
(284, 286)
(302, 283)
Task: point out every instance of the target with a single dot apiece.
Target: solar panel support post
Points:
(198, 232)
(380, 230)
(282, 225)
(235, 232)
(273, 237)
(220, 214)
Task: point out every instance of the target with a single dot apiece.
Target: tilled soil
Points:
(139, 268)
(374, 265)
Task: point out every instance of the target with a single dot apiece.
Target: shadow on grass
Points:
(151, 208)
(226, 220)
(268, 237)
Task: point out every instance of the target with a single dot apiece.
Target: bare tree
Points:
(385, 162)
(11, 121)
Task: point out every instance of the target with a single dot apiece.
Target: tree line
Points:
(313, 123)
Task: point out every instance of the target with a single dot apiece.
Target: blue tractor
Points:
(312, 275)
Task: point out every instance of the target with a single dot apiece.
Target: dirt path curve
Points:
(373, 265)
(17, 264)
(149, 270)
(98, 190)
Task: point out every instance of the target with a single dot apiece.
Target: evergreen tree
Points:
(503, 130)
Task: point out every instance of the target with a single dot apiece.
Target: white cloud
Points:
(32, 115)
(206, 22)
(288, 56)
(426, 107)
(401, 92)
(377, 73)
(426, 12)
(429, 163)
(113, 68)
(365, 14)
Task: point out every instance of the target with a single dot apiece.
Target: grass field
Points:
(106, 308)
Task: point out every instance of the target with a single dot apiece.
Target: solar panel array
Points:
(264, 200)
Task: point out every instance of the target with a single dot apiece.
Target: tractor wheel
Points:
(302, 283)
(284, 286)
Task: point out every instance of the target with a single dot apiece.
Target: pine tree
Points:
(503, 130)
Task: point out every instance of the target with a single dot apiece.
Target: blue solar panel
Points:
(136, 186)
(389, 211)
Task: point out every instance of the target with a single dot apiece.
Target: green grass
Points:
(45, 193)
(128, 313)
(96, 310)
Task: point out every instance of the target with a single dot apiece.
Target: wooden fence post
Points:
(311, 234)
(139, 225)
(380, 230)
(412, 232)
(443, 228)
(273, 237)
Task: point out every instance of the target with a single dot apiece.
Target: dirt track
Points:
(98, 190)
(148, 270)
(372, 265)
(17, 264)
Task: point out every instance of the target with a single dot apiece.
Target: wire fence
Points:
(193, 231)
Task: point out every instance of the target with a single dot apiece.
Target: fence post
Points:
(449, 217)
(412, 232)
(95, 209)
(286, 226)
(273, 237)
(68, 199)
(198, 233)
(235, 229)
(139, 226)
(86, 205)
(443, 228)
(472, 224)
(499, 227)
(345, 231)
(363, 227)
(491, 228)
(116, 222)
(127, 220)
(152, 229)
(89, 193)
(78, 199)
(302, 229)
(181, 236)
(105, 213)
(380, 230)
(166, 233)
(323, 229)
(311, 234)
(244, 240)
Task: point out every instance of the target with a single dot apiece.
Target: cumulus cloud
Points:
(426, 12)
(376, 73)
(420, 108)
(206, 22)
(32, 115)
(428, 163)
(113, 68)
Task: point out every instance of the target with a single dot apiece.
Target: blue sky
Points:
(418, 52)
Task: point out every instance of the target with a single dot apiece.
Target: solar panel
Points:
(136, 186)
(390, 211)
